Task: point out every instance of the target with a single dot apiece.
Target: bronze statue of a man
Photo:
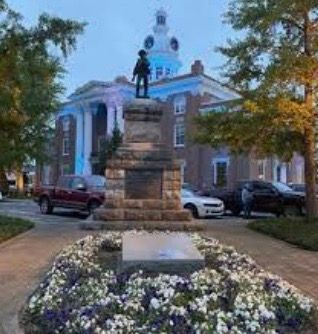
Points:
(142, 71)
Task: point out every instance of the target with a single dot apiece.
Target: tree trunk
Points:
(310, 157)
(310, 130)
(19, 181)
(4, 187)
(310, 174)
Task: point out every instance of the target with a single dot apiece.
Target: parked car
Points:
(200, 206)
(190, 187)
(3, 193)
(300, 187)
(268, 197)
(4, 189)
(73, 192)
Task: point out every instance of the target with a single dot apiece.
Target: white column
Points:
(110, 119)
(120, 118)
(87, 141)
(275, 165)
(79, 142)
(284, 173)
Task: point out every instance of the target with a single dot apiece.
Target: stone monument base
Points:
(124, 225)
(143, 180)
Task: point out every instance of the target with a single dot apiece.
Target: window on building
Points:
(161, 20)
(66, 146)
(220, 167)
(159, 72)
(66, 124)
(261, 169)
(179, 134)
(66, 169)
(180, 105)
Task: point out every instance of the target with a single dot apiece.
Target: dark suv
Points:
(269, 197)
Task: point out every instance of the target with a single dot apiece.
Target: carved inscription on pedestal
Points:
(143, 184)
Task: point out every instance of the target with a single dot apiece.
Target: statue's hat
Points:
(142, 53)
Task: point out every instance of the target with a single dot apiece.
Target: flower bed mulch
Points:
(231, 295)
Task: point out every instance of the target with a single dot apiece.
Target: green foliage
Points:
(274, 65)
(108, 149)
(271, 67)
(10, 227)
(294, 231)
(242, 132)
(30, 82)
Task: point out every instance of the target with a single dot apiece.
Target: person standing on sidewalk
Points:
(247, 200)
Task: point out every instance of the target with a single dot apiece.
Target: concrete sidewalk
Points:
(24, 260)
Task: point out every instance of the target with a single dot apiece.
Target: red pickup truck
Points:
(73, 192)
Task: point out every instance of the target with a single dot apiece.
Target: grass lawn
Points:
(295, 231)
(10, 227)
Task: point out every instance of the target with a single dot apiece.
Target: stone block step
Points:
(141, 215)
(111, 203)
(124, 225)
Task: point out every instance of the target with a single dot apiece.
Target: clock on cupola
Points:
(174, 43)
(149, 42)
(163, 50)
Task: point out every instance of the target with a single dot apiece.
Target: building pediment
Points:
(90, 88)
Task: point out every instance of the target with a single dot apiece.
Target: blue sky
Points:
(116, 30)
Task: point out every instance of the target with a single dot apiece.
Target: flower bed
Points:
(231, 295)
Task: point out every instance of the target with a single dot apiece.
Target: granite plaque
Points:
(143, 184)
(164, 252)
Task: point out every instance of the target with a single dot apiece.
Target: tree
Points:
(274, 65)
(30, 82)
(108, 148)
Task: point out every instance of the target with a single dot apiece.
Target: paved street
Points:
(25, 259)
(30, 210)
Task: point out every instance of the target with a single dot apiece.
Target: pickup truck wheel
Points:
(193, 209)
(46, 207)
(292, 211)
(92, 206)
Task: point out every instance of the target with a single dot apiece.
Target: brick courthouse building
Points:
(92, 110)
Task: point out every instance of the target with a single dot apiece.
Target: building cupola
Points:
(163, 50)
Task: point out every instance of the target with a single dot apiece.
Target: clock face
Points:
(149, 42)
(174, 43)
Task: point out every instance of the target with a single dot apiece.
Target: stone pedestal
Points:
(143, 181)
